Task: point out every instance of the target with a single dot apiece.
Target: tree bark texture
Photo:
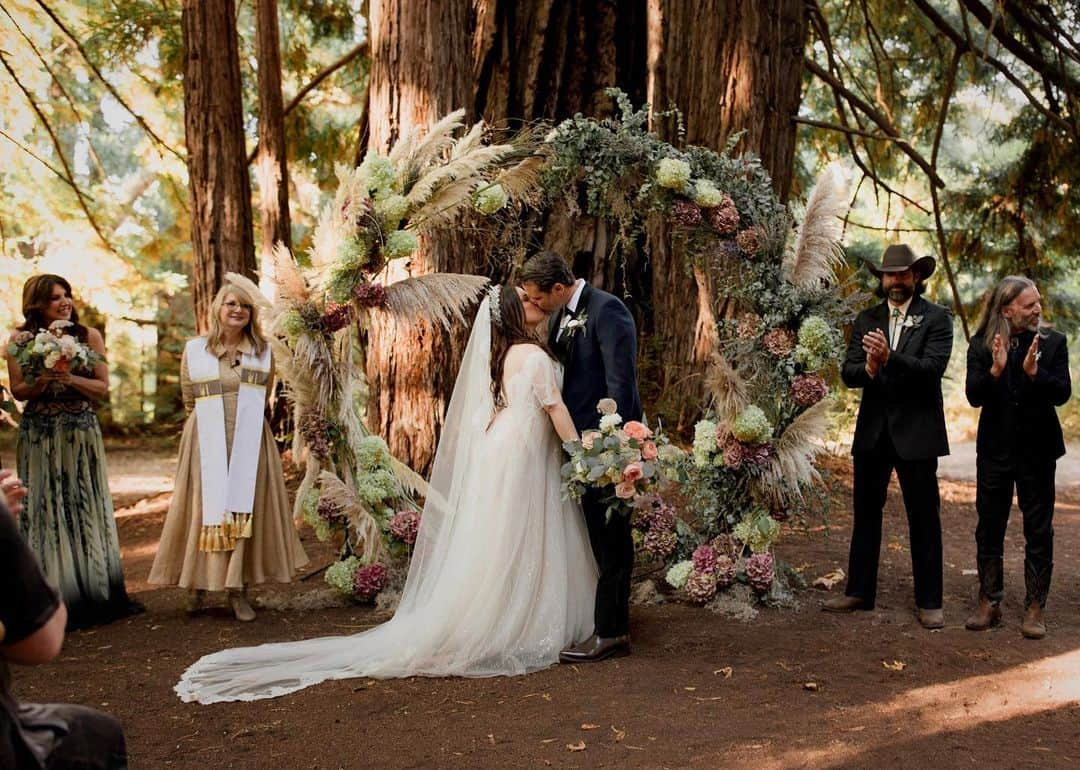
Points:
(221, 235)
(728, 67)
(271, 163)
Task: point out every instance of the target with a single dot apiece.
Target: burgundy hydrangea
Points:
(660, 517)
(330, 512)
(685, 213)
(724, 545)
(760, 571)
(370, 295)
(725, 217)
(779, 514)
(734, 453)
(748, 241)
(369, 580)
(336, 317)
(725, 571)
(660, 543)
(780, 341)
(704, 559)
(758, 455)
(404, 525)
(314, 429)
(808, 389)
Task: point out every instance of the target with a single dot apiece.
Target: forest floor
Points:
(794, 688)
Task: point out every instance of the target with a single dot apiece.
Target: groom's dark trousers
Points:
(901, 426)
(600, 360)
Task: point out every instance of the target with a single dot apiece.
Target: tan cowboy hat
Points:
(898, 258)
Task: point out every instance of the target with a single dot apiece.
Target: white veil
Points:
(467, 417)
(395, 647)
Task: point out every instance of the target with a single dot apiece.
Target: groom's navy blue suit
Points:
(600, 362)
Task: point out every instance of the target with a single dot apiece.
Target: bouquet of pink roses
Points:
(50, 349)
(627, 463)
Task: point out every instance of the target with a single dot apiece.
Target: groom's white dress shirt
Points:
(897, 316)
(571, 306)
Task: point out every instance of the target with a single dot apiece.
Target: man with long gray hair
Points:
(1017, 371)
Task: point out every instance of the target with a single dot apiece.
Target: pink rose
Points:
(625, 490)
(648, 450)
(637, 430)
(632, 472)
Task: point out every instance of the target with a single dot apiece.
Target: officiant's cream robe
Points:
(272, 552)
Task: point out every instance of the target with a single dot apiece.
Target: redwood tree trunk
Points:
(270, 162)
(727, 66)
(217, 164)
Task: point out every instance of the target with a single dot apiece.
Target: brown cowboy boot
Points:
(1033, 626)
(986, 615)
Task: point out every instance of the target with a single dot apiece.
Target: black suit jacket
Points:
(600, 359)
(905, 396)
(1018, 418)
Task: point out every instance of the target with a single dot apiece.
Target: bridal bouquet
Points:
(627, 463)
(50, 349)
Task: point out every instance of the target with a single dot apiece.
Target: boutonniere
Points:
(912, 322)
(574, 325)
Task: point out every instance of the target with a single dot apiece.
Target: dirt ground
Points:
(795, 688)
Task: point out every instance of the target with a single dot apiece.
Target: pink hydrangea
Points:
(704, 559)
(330, 512)
(725, 571)
(404, 525)
(760, 571)
(660, 543)
(661, 517)
(685, 213)
(734, 454)
(369, 580)
(780, 342)
(808, 389)
(701, 586)
(725, 217)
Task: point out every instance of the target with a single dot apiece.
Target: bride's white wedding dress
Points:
(502, 576)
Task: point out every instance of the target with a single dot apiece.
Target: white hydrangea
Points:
(679, 573)
(706, 194)
(673, 173)
(392, 209)
(610, 422)
(704, 442)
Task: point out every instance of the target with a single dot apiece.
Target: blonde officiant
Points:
(230, 522)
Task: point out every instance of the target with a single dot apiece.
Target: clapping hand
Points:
(876, 348)
(999, 356)
(13, 490)
(1031, 360)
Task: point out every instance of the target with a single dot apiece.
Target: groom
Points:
(593, 334)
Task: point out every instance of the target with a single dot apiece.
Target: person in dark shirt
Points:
(32, 620)
(1017, 372)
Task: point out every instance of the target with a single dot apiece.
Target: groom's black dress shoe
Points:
(596, 648)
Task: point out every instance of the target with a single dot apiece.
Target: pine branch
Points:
(70, 177)
(112, 91)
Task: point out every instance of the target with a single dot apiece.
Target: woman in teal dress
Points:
(68, 513)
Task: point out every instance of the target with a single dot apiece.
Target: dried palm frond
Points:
(468, 167)
(313, 356)
(522, 180)
(445, 205)
(311, 473)
(793, 465)
(252, 288)
(437, 298)
(469, 142)
(817, 249)
(290, 281)
(344, 498)
(726, 387)
(438, 139)
(411, 481)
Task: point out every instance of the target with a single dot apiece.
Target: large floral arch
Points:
(768, 376)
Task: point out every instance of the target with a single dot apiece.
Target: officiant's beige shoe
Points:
(596, 648)
(241, 607)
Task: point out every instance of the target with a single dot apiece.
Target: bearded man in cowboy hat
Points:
(897, 354)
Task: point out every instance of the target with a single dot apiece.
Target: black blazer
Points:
(600, 359)
(905, 397)
(1018, 412)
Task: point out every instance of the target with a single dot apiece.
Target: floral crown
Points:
(494, 310)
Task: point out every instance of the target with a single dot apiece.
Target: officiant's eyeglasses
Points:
(233, 305)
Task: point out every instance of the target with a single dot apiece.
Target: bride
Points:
(502, 577)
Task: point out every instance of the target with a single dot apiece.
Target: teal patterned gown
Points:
(68, 515)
